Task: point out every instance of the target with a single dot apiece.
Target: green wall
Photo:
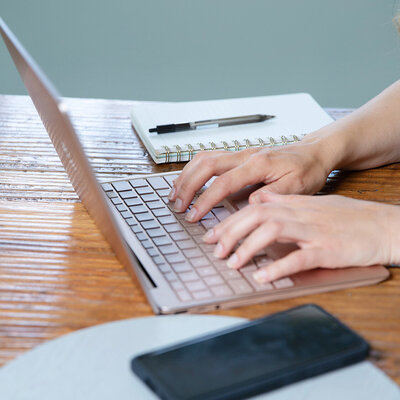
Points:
(342, 52)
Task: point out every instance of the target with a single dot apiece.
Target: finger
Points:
(224, 185)
(239, 226)
(298, 260)
(277, 230)
(202, 168)
(265, 195)
(280, 186)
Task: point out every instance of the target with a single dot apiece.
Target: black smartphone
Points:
(252, 358)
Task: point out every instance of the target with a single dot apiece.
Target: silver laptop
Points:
(176, 270)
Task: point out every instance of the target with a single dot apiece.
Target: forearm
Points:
(367, 138)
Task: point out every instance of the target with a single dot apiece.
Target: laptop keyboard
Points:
(176, 246)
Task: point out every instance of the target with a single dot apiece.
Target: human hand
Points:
(330, 232)
(297, 168)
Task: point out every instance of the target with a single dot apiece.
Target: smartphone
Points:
(252, 358)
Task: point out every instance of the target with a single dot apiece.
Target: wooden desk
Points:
(57, 274)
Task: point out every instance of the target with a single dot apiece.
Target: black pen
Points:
(211, 123)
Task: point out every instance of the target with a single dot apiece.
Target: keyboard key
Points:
(207, 248)
(158, 260)
(106, 187)
(141, 236)
(155, 232)
(249, 267)
(188, 276)
(202, 294)
(240, 286)
(199, 262)
(177, 285)
(144, 190)
(263, 260)
(111, 194)
(147, 244)
(196, 230)
(121, 186)
(198, 239)
(183, 295)
(116, 200)
(221, 213)
(173, 228)
(182, 267)
(169, 219)
(230, 274)
(170, 276)
(213, 280)
(131, 221)
(162, 240)
(136, 229)
(195, 285)
(170, 179)
(121, 207)
(128, 194)
(186, 244)
(185, 223)
(144, 217)
(126, 214)
(221, 291)
(163, 192)
(164, 268)
(206, 271)
(256, 285)
(138, 209)
(150, 197)
(209, 223)
(160, 212)
(179, 235)
(190, 253)
(150, 224)
(152, 252)
(138, 183)
(168, 249)
(209, 215)
(155, 204)
(283, 283)
(135, 201)
(175, 258)
(158, 182)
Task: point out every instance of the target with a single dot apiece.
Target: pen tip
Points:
(266, 117)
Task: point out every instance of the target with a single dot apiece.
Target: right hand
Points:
(299, 168)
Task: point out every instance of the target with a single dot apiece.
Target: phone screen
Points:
(263, 348)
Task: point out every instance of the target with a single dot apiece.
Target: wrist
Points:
(327, 148)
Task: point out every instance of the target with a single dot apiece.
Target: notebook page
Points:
(295, 114)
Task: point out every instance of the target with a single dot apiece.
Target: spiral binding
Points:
(186, 154)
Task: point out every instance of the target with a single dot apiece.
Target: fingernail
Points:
(233, 261)
(219, 249)
(261, 276)
(209, 234)
(254, 199)
(172, 194)
(191, 215)
(178, 205)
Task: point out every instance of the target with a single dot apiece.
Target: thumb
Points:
(264, 194)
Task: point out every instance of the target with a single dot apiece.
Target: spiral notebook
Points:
(296, 115)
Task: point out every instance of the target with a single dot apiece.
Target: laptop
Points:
(160, 249)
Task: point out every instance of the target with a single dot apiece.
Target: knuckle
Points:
(223, 182)
(276, 226)
(299, 260)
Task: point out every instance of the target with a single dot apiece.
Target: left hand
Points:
(330, 231)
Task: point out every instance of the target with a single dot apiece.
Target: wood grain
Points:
(57, 274)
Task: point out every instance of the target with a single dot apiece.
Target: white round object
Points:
(94, 364)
